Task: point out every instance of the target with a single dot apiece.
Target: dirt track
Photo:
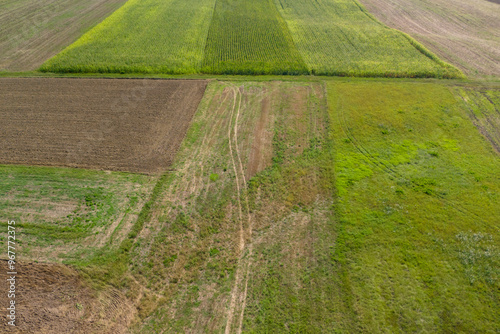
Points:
(111, 124)
(464, 33)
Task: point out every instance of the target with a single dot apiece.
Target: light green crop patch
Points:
(339, 37)
(147, 36)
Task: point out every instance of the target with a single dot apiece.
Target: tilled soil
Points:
(53, 299)
(133, 125)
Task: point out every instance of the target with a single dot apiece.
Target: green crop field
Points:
(148, 36)
(250, 37)
(339, 37)
(324, 37)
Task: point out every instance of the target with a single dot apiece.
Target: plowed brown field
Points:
(111, 124)
(465, 33)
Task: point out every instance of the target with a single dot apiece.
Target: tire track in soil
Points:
(240, 287)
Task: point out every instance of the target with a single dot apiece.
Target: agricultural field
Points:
(339, 37)
(247, 168)
(126, 125)
(464, 33)
(326, 37)
(34, 31)
(250, 37)
(236, 166)
(145, 36)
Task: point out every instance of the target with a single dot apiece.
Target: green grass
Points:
(339, 37)
(59, 211)
(483, 105)
(417, 209)
(143, 36)
(250, 37)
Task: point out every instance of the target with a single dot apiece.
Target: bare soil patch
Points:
(53, 299)
(33, 31)
(111, 124)
(465, 33)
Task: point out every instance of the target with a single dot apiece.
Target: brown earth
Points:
(111, 124)
(464, 33)
(33, 31)
(53, 299)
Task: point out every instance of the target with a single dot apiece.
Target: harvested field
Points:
(125, 125)
(53, 299)
(33, 31)
(465, 33)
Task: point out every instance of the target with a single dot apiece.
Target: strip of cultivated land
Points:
(326, 37)
(250, 37)
(146, 36)
(126, 125)
(464, 33)
(339, 37)
(418, 207)
(33, 31)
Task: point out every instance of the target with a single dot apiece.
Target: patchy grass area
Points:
(339, 37)
(250, 164)
(418, 209)
(250, 37)
(142, 36)
(66, 215)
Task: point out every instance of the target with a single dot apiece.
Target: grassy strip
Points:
(417, 204)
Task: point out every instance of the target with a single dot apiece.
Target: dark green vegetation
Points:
(417, 211)
(143, 36)
(66, 214)
(250, 37)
